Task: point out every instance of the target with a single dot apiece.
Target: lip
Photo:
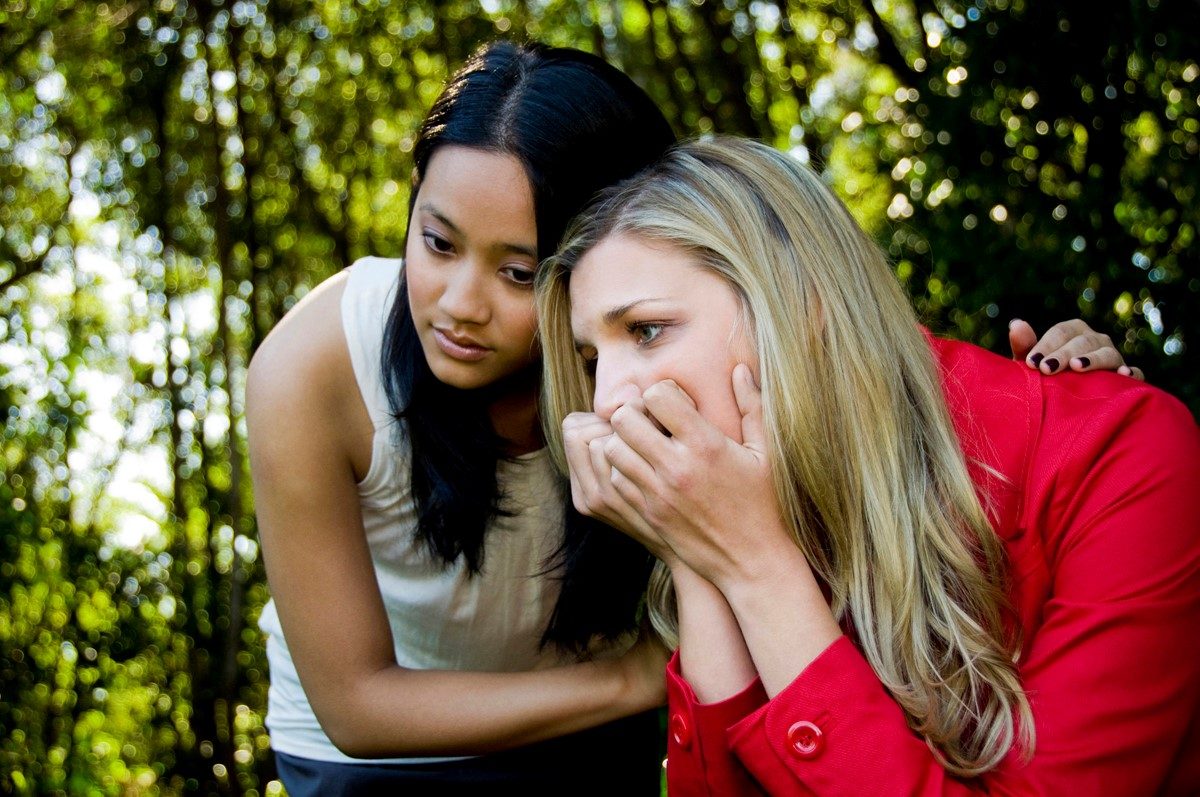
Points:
(459, 348)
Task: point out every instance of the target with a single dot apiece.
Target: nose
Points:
(615, 386)
(464, 297)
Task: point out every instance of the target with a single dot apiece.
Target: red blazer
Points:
(1099, 510)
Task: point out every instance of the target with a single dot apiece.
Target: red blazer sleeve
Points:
(700, 762)
(1105, 549)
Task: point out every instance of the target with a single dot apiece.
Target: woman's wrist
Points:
(784, 617)
(636, 681)
(774, 559)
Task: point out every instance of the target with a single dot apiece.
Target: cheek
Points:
(719, 407)
(521, 319)
(711, 379)
(423, 288)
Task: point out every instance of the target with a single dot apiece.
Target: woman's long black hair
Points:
(577, 125)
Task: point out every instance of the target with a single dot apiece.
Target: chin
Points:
(461, 377)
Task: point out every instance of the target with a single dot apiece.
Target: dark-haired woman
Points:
(410, 517)
(393, 422)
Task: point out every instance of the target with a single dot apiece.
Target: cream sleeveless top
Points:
(440, 618)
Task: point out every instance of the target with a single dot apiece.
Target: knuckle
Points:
(678, 478)
(594, 506)
(655, 392)
(572, 434)
(656, 514)
(709, 446)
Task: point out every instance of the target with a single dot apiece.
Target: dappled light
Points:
(176, 174)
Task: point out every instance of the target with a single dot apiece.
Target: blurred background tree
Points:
(175, 174)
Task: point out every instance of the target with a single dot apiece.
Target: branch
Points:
(889, 51)
(21, 268)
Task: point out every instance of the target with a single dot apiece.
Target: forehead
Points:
(624, 263)
(479, 189)
(624, 269)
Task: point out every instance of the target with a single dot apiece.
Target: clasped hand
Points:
(660, 472)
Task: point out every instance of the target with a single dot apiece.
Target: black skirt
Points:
(622, 758)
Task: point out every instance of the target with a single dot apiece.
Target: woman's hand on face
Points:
(585, 435)
(1068, 345)
(710, 499)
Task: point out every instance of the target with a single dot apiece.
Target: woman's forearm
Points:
(712, 654)
(398, 712)
(784, 619)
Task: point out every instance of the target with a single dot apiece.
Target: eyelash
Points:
(433, 241)
(524, 275)
(522, 278)
(637, 327)
(589, 363)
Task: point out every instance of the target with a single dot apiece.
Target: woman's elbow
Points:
(350, 735)
(350, 720)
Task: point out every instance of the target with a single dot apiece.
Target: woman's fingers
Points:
(675, 410)
(1136, 373)
(579, 430)
(643, 436)
(1105, 358)
(1021, 338)
(749, 401)
(1075, 346)
(618, 501)
(624, 457)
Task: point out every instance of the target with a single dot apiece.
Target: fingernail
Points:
(1052, 364)
(1085, 362)
(1036, 359)
(1011, 321)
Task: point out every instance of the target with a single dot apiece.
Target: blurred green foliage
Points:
(175, 174)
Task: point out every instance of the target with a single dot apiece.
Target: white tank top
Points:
(440, 618)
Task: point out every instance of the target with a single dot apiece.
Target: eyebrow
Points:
(506, 247)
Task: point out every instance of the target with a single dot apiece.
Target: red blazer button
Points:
(806, 740)
(681, 732)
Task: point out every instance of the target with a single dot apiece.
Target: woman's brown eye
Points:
(437, 243)
(521, 276)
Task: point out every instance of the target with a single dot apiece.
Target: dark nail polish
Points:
(1052, 364)
(1085, 362)
(1036, 359)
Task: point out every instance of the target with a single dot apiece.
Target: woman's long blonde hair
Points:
(867, 465)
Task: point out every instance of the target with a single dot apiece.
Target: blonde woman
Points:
(893, 564)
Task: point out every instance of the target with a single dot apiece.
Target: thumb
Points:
(1021, 338)
(749, 401)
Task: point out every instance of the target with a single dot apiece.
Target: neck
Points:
(515, 419)
(513, 411)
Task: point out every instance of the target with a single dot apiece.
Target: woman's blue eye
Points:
(646, 333)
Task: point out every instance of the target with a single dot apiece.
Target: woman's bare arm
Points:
(305, 419)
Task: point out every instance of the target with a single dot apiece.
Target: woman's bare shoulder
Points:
(304, 363)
